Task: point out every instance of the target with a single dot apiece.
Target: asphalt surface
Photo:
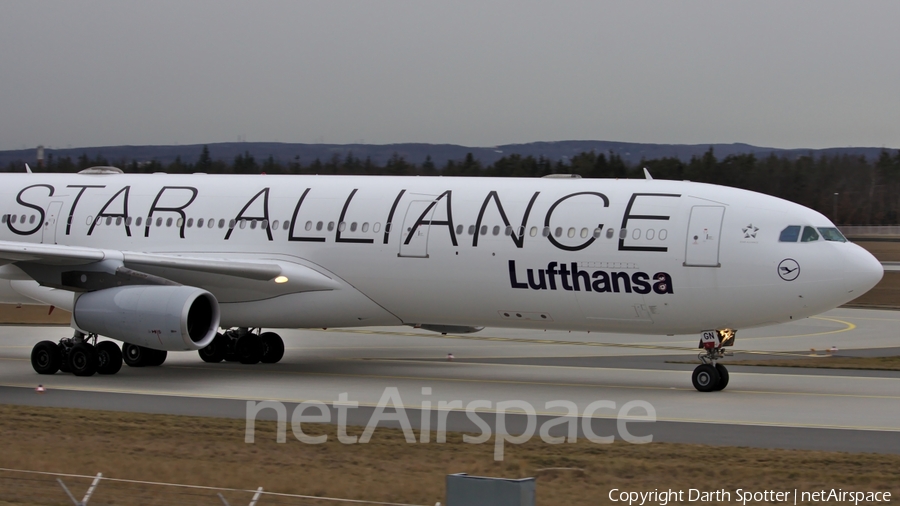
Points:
(778, 407)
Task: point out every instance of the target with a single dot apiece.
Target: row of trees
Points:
(848, 189)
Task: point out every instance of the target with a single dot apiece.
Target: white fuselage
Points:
(638, 256)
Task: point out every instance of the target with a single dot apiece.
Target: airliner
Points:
(201, 262)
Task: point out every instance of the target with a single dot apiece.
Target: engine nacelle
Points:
(173, 318)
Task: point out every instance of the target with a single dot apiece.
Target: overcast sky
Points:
(805, 74)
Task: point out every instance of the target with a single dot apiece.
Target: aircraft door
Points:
(703, 233)
(416, 227)
(48, 232)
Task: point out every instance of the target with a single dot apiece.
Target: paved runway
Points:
(767, 407)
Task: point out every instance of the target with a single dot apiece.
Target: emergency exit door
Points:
(48, 232)
(704, 229)
(416, 228)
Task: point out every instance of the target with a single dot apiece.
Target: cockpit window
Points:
(790, 234)
(832, 234)
(809, 235)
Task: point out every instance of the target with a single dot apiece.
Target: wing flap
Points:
(268, 276)
(51, 254)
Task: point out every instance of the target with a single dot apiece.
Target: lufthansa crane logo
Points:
(788, 269)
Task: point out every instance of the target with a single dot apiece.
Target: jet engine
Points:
(172, 318)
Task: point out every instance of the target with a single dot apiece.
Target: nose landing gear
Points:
(711, 376)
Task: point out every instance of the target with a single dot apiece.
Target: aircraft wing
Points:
(50, 254)
(56, 266)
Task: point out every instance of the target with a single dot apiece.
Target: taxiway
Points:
(763, 406)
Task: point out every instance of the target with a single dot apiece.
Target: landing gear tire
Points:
(272, 347)
(109, 357)
(248, 349)
(46, 358)
(83, 360)
(134, 355)
(157, 358)
(705, 378)
(723, 377)
(139, 356)
(215, 351)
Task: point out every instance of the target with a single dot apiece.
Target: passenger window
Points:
(275, 225)
(108, 220)
(609, 233)
(5, 217)
(790, 234)
(138, 221)
(459, 229)
(508, 231)
(809, 235)
(471, 229)
(353, 227)
(484, 230)
(533, 231)
(365, 228)
(377, 227)
(558, 232)
(286, 225)
(571, 232)
(264, 224)
(496, 230)
(221, 222)
(832, 234)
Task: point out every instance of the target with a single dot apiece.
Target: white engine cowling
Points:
(173, 318)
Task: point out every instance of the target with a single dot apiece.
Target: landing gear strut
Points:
(711, 376)
(79, 354)
(245, 346)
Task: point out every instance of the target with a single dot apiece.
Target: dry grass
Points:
(31, 314)
(212, 452)
(866, 363)
(884, 251)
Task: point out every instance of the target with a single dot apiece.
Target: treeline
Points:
(847, 189)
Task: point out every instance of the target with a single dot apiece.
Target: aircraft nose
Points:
(864, 270)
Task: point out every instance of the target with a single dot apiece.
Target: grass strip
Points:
(212, 452)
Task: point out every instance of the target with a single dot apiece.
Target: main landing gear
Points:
(82, 355)
(711, 376)
(244, 346)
